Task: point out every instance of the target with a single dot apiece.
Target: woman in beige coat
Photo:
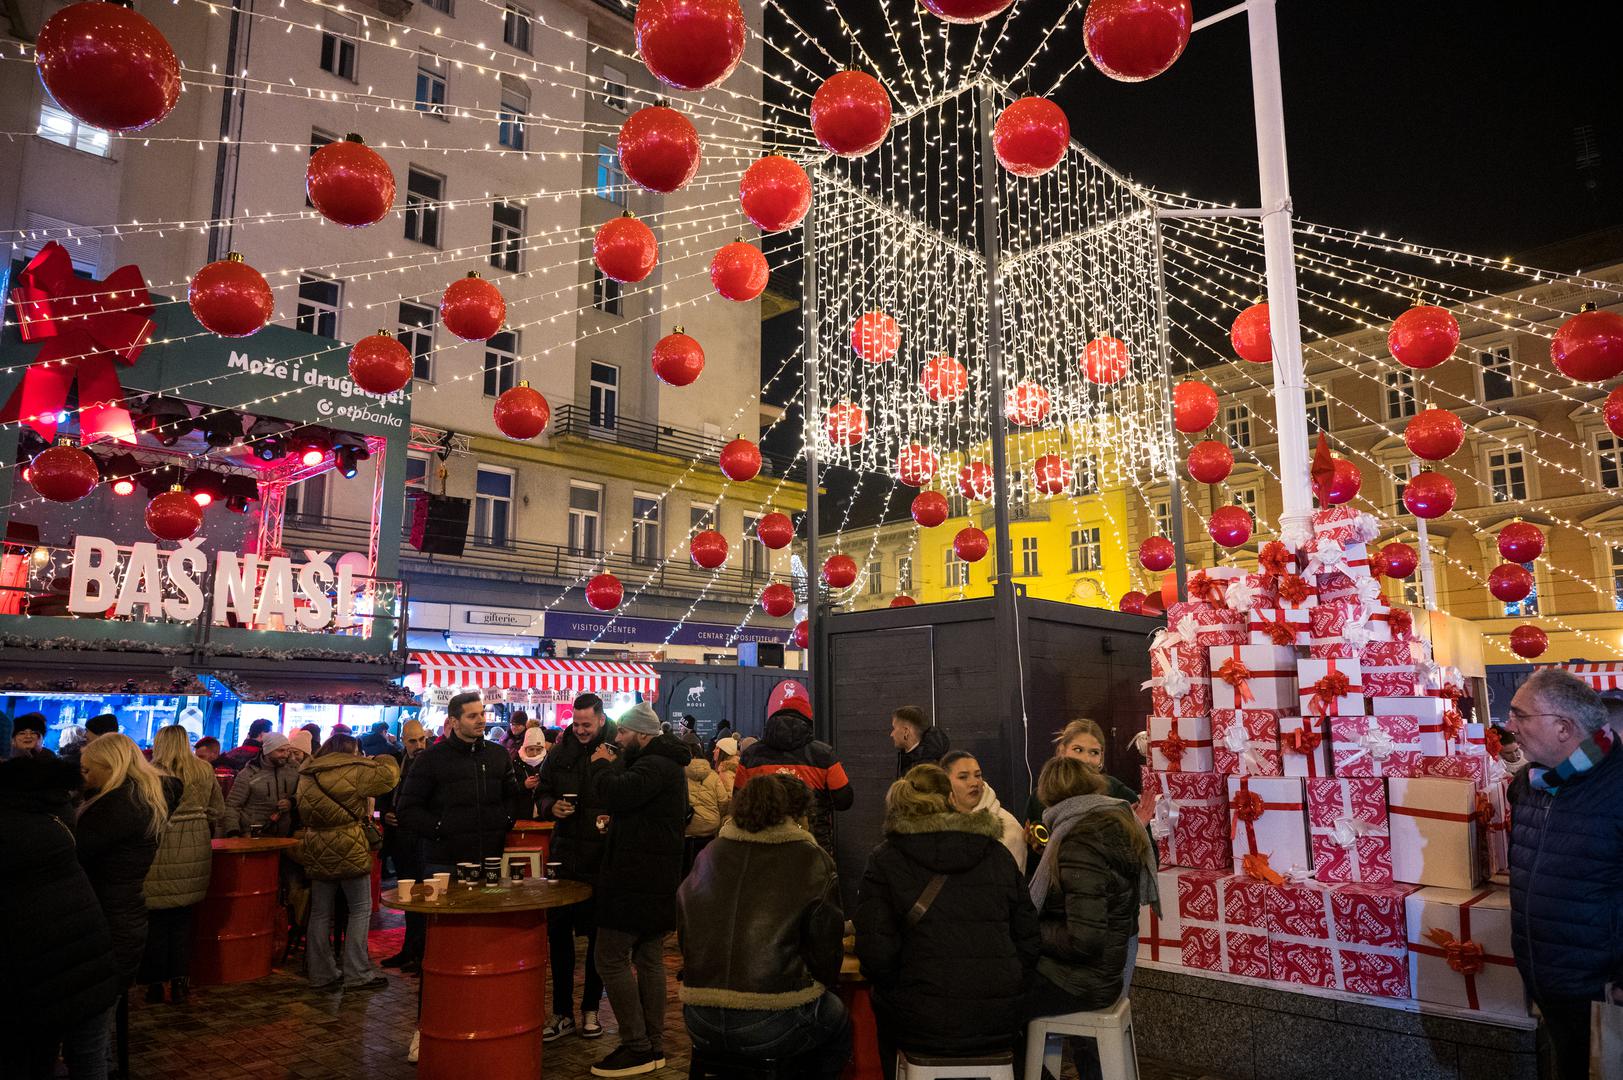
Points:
(709, 800)
(179, 875)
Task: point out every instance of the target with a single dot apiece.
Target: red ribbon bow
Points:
(1204, 587)
(1280, 631)
(1303, 740)
(1483, 814)
(88, 328)
(1248, 806)
(1453, 725)
(1327, 690)
(1293, 589)
(1402, 624)
(1450, 692)
(1257, 866)
(1237, 675)
(1172, 748)
(1490, 740)
(1274, 558)
(1465, 957)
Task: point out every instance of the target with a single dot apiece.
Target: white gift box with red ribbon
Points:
(1191, 822)
(1297, 593)
(1347, 822)
(1304, 746)
(1225, 923)
(1253, 676)
(1277, 625)
(1200, 623)
(1327, 556)
(1345, 525)
(1180, 743)
(1441, 730)
(1268, 822)
(1245, 742)
(1330, 686)
(1460, 953)
(1375, 745)
(1434, 831)
(1348, 937)
(1160, 937)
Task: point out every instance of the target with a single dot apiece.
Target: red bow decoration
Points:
(1293, 589)
(1402, 624)
(1247, 805)
(1483, 813)
(1256, 866)
(1327, 690)
(1465, 957)
(1237, 675)
(1274, 558)
(1451, 692)
(1280, 631)
(88, 328)
(1303, 740)
(1172, 748)
(1323, 470)
(1491, 741)
(1453, 725)
(1203, 587)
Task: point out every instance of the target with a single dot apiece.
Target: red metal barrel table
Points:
(865, 1063)
(531, 836)
(234, 937)
(484, 977)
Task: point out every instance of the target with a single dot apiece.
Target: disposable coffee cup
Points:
(468, 873)
(442, 882)
(552, 870)
(403, 887)
(255, 832)
(515, 872)
(493, 870)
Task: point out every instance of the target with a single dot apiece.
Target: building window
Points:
(614, 89)
(319, 299)
(1087, 476)
(431, 86)
(415, 330)
(492, 506)
(1617, 577)
(606, 293)
(957, 504)
(1246, 497)
(423, 194)
(1498, 377)
(516, 27)
(1028, 556)
(501, 363)
(507, 236)
(957, 570)
(645, 546)
(875, 581)
(604, 401)
(441, 6)
(1163, 518)
(757, 560)
(904, 574)
(416, 473)
(514, 114)
(63, 128)
(1399, 394)
(338, 47)
(1609, 459)
(1237, 425)
(318, 139)
(1400, 483)
(1318, 411)
(1507, 474)
(585, 513)
(1087, 554)
(1414, 591)
(1527, 605)
(306, 501)
(611, 178)
(701, 517)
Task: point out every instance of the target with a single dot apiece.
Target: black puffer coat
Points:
(1566, 882)
(646, 795)
(1091, 910)
(56, 966)
(116, 848)
(953, 982)
(459, 797)
(787, 748)
(933, 746)
(576, 842)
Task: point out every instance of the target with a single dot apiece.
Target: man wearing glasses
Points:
(1566, 859)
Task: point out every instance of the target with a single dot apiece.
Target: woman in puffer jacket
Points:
(179, 877)
(709, 801)
(333, 793)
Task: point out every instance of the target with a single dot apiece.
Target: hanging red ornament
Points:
(708, 548)
(1429, 495)
(690, 44)
(1613, 412)
(850, 113)
(678, 359)
(739, 271)
(521, 412)
(916, 465)
(1134, 40)
(903, 601)
(1230, 526)
(1345, 482)
(1031, 136)
(839, 571)
(1210, 462)
(965, 11)
(625, 249)
(1194, 406)
(108, 65)
(802, 635)
(775, 193)
(876, 337)
(1169, 590)
(1104, 360)
(1401, 560)
(1521, 542)
(1052, 474)
(777, 600)
(741, 460)
(604, 592)
(944, 379)
(1251, 335)
(472, 308)
(775, 531)
(1423, 337)
(379, 364)
(1434, 434)
(1027, 403)
(1528, 641)
(659, 149)
(1132, 603)
(1589, 346)
(930, 508)
(975, 481)
(230, 298)
(1157, 553)
(63, 473)
(845, 424)
(174, 515)
(1510, 582)
(349, 183)
(970, 544)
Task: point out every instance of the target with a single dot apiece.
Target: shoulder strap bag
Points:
(926, 898)
(374, 838)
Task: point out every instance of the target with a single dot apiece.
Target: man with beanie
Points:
(645, 795)
(28, 736)
(262, 794)
(787, 748)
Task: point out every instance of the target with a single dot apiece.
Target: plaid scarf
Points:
(1591, 752)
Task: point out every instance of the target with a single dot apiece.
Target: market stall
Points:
(543, 687)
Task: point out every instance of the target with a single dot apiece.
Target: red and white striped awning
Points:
(1600, 676)
(534, 673)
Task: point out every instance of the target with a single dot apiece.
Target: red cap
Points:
(796, 704)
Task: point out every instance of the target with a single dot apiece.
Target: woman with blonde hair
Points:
(179, 876)
(1083, 740)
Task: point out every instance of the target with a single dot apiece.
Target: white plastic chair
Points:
(913, 1065)
(1111, 1029)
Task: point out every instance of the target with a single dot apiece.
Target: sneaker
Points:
(589, 1026)
(397, 960)
(627, 1062)
(376, 982)
(557, 1027)
(411, 1051)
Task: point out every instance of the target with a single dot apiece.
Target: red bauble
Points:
(709, 549)
(1194, 406)
(1134, 40)
(349, 183)
(965, 11)
(1423, 337)
(690, 44)
(1510, 582)
(777, 600)
(876, 337)
(1251, 336)
(739, 271)
(839, 571)
(1613, 412)
(775, 531)
(850, 114)
(1104, 360)
(845, 424)
(1230, 526)
(1345, 482)
(174, 515)
(802, 634)
(1031, 136)
(775, 193)
(678, 359)
(472, 308)
(1400, 559)
(231, 298)
(1131, 602)
(1052, 474)
(63, 473)
(1169, 589)
(970, 544)
(108, 66)
(1528, 641)
(741, 460)
(521, 412)
(975, 481)
(1589, 346)
(379, 364)
(1027, 403)
(604, 592)
(1520, 542)
(659, 149)
(1157, 553)
(944, 379)
(903, 601)
(1210, 462)
(916, 465)
(1429, 495)
(625, 249)
(1434, 434)
(930, 508)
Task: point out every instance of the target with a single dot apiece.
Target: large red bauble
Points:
(1434, 434)
(975, 481)
(741, 460)
(739, 271)
(678, 359)
(108, 66)
(1210, 462)
(1429, 495)
(1423, 337)
(1157, 553)
(1169, 589)
(231, 298)
(174, 515)
(802, 634)
(1510, 582)
(839, 571)
(1251, 336)
(472, 308)
(1194, 406)
(1589, 346)
(916, 465)
(876, 337)
(604, 592)
(1131, 603)
(709, 549)
(1031, 136)
(63, 473)
(845, 424)
(1230, 526)
(1520, 542)
(1052, 474)
(850, 113)
(1104, 360)
(970, 544)
(690, 44)
(1528, 641)
(1401, 560)
(1345, 482)
(775, 193)
(379, 364)
(1613, 412)
(521, 412)
(349, 183)
(1134, 40)
(659, 148)
(930, 508)
(777, 600)
(944, 379)
(1027, 403)
(965, 11)
(625, 249)
(903, 601)
(775, 531)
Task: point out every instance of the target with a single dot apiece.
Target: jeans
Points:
(1567, 1021)
(85, 1045)
(168, 952)
(817, 1034)
(637, 996)
(563, 926)
(357, 893)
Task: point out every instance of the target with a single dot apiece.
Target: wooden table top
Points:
(534, 894)
(246, 844)
(531, 826)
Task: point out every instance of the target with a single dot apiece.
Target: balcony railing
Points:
(575, 422)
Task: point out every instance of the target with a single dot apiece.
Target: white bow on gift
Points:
(1165, 819)
(1357, 632)
(1237, 741)
(1297, 535)
(1298, 875)
(1365, 528)
(1141, 743)
(1242, 595)
(1431, 674)
(1326, 557)
(1368, 589)
(1185, 632)
(1174, 682)
(1377, 742)
(1347, 830)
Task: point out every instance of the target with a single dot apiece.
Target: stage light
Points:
(119, 471)
(269, 438)
(223, 429)
(206, 487)
(312, 447)
(240, 490)
(165, 419)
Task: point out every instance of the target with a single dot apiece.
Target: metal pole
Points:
(1428, 574)
(1175, 509)
(1004, 546)
(810, 409)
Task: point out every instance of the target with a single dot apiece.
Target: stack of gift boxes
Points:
(1323, 815)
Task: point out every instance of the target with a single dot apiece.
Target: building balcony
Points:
(686, 444)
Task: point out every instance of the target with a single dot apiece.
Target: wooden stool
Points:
(1111, 1029)
(914, 1065)
(532, 857)
(713, 1065)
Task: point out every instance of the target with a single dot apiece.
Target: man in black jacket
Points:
(917, 741)
(459, 795)
(787, 748)
(406, 849)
